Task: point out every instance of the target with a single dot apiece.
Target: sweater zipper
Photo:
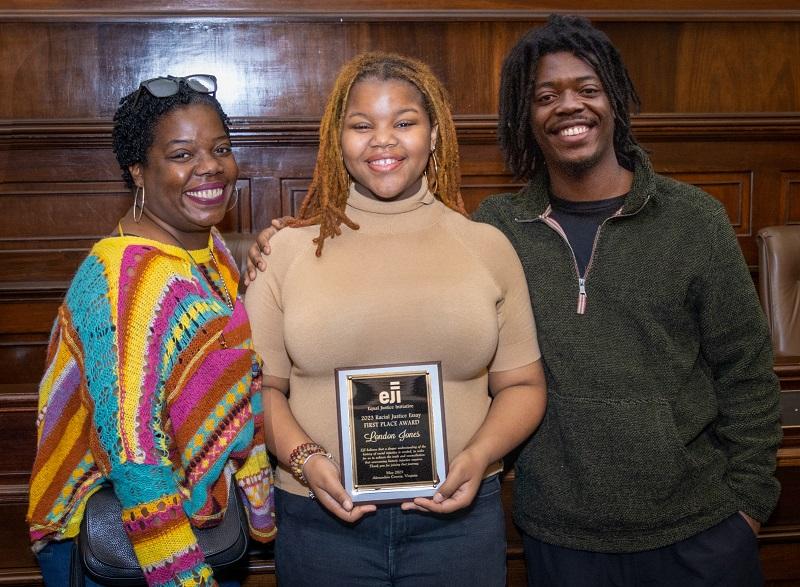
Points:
(552, 223)
(582, 308)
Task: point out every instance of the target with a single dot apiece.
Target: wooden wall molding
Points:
(632, 16)
(331, 6)
(387, 10)
(790, 197)
(472, 129)
(727, 127)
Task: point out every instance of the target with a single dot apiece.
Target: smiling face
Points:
(571, 116)
(387, 138)
(190, 173)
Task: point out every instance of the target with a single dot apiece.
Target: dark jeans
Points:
(391, 547)
(725, 555)
(55, 562)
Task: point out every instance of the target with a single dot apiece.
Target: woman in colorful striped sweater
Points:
(151, 382)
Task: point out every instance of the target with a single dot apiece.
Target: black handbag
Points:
(105, 553)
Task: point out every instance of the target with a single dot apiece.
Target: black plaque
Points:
(392, 431)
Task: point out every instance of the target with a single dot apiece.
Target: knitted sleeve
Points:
(517, 344)
(63, 462)
(739, 353)
(135, 304)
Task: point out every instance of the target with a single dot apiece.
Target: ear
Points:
(434, 136)
(137, 174)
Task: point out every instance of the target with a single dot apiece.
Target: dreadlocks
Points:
(575, 35)
(327, 196)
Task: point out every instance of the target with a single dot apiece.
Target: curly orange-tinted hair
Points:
(327, 196)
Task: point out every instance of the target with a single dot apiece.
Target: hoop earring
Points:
(235, 201)
(433, 183)
(138, 205)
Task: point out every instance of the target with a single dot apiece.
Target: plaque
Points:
(391, 431)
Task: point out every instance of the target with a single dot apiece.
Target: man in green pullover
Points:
(655, 462)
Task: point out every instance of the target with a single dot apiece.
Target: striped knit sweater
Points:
(151, 383)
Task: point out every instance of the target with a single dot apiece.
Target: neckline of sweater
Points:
(423, 197)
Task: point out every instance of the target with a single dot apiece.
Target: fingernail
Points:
(348, 505)
(438, 498)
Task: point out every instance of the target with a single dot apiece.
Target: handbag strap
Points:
(76, 577)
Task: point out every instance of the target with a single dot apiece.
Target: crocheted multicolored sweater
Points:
(152, 383)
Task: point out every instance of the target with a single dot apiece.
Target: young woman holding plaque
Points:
(382, 266)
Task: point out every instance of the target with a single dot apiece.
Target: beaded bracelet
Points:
(300, 456)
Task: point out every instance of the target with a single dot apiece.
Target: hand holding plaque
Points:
(392, 431)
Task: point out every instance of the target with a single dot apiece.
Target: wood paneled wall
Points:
(719, 82)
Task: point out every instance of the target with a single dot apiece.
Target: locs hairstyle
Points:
(135, 121)
(327, 195)
(575, 35)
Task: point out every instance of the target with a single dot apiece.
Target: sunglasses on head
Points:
(168, 85)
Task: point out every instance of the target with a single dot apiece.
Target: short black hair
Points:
(576, 35)
(137, 116)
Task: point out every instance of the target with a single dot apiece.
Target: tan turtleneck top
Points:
(417, 282)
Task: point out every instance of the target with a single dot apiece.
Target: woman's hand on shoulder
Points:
(323, 479)
(459, 489)
(255, 255)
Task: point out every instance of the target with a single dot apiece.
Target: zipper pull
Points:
(581, 296)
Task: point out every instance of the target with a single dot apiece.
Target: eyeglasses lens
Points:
(162, 87)
(205, 84)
